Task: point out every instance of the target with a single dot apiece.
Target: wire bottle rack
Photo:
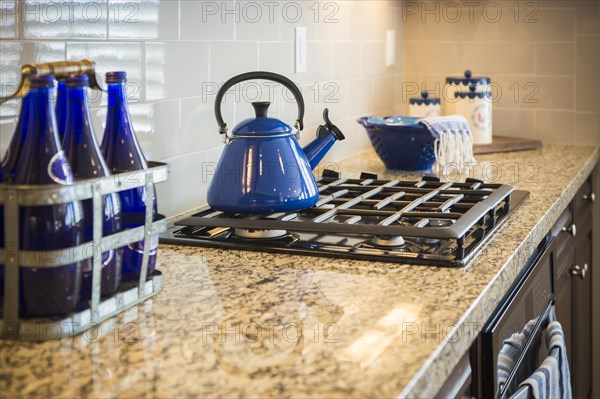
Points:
(14, 197)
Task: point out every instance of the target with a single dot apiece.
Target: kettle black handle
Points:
(259, 75)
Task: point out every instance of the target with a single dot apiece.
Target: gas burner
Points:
(407, 246)
(441, 222)
(388, 241)
(260, 233)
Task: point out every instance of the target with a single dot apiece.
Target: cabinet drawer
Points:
(582, 203)
(563, 244)
(563, 260)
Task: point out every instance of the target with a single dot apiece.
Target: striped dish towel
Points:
(453, 140)
(511, 348)
(552, 379)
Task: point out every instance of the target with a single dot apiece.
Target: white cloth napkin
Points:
(453, 139)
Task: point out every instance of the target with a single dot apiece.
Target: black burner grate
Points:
(425, 222)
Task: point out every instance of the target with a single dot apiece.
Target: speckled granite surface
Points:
(243, 324)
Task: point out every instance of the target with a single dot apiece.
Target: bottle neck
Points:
(117, 94)
(61, 107)
(78, 113)
(119, 145)
(117, 107)
(15, 147)
(42, 160)
(40, 119)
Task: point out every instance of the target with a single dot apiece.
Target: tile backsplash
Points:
(177, 53)
(543, 55)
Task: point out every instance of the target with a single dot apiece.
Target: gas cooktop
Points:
(422, 222)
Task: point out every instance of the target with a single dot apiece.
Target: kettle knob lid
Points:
(261, 108)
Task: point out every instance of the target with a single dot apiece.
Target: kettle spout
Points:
(327, 135)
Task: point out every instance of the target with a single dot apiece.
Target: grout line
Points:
(178, 20)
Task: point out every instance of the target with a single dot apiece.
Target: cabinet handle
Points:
(578, 271)
(571, 229)
(589, 197)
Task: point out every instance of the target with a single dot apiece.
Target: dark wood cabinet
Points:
(572, 258)
(582, 274)
(573, 286)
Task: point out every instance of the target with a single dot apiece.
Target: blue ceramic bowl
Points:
(401, 142)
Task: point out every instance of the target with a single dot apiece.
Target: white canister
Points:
(424, 107)
(476, 107)
(461, 85)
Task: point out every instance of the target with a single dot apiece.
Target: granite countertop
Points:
(295, 326)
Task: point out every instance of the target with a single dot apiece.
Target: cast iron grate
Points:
(440, 223)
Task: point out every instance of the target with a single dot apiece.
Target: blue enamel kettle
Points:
(262, 167)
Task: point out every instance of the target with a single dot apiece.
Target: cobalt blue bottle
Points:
(13, 151)
(122, 153)
(60, 109)
(55, 290)
(83, 154)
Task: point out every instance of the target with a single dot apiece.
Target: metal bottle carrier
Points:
(13, 197)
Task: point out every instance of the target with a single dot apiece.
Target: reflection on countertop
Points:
(239, 324)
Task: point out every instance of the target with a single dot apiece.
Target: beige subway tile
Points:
(432, 57)
(270, 57)
(319, 63)
(383, 93)
(587, 17)
(346, 63)
(67, 20)
(143, 19)
(296, 14)
(410, 20)
(542, 24)
(198, 125)
(555, 58)
(168, 77)
(313, 94)
(587, 78)
(463, 24)
(360, 97)
(368, 12)
(331, 95)
(337, 20)
(554, 126)
(356, 140)
(373, 59)
(405, 87)
(398, 67)
(513, 122)
(413, 31)
(190, 173)
(533, 92)
(229, 58)
(499, 58)
(206, 20)
(258, 21)
(587, 129)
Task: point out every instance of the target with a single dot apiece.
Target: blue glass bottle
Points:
(122, 153)
(13, 151)
(60, 109)
(83, 154)
(55, 290)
